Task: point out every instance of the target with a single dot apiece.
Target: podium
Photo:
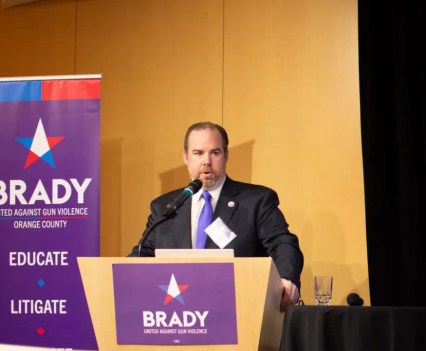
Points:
(258, 293)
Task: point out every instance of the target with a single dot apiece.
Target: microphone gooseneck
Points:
(149, 231)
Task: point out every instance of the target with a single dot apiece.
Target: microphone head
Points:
(190, 190)
(354, 299)
(195, 186)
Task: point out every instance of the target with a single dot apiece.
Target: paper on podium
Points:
(194, 253)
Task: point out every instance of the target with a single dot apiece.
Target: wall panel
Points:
(291, 88)
(161, 63)
(38, 39)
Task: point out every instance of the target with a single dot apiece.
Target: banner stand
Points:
(49, 208)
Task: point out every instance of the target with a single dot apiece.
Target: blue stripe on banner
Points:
(20, 91)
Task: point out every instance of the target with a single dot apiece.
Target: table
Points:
(353, 328)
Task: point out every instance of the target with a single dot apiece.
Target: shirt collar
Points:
(214, 193)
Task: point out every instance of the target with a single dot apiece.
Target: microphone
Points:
(171, 209)
(354, 300)
(177, 203)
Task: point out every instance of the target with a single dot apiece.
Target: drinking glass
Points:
(323, 290)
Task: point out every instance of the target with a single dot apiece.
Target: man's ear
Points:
(185, 158)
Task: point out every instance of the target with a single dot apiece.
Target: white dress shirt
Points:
(197, 205)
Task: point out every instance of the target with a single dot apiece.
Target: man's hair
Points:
(207, 125)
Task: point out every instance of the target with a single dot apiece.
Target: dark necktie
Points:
(204, 220)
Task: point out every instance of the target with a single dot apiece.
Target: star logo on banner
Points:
(40, 146)
(173, 290)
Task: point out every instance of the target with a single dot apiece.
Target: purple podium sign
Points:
(175, 304)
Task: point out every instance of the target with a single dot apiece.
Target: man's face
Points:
(206, 158)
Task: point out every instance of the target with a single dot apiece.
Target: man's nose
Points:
(206, 159)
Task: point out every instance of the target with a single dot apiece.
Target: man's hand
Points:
(290, 294)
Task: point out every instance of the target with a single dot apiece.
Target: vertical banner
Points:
(49, 208)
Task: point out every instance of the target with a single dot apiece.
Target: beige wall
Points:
(280, 75)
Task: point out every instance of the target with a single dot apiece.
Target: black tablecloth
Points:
(354, 328)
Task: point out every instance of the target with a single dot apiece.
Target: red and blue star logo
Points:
(40, 146)
(173, 290)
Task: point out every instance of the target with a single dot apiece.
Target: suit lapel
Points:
(182, 227)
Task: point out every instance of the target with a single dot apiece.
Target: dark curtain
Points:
(392, 40)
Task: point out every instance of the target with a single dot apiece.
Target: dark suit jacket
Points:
(255, 218)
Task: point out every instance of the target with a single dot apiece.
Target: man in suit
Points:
(250, 211)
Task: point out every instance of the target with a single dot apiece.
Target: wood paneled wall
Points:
(280, 75)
